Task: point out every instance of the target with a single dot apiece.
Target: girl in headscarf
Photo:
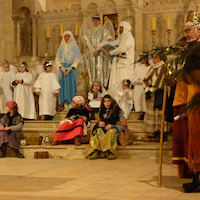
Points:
(73, 126)
(105, 132)
(11, 126)
(67, 59)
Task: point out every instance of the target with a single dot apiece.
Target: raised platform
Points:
(137, 150)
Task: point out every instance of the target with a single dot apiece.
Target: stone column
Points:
(138, 16)
(18, 38)
(15, 37)
(119, 13)
(34, 39)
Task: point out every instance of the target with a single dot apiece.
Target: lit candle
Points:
(48, 32)
(185, 19)
(61, 30)
(153, 23)
(168, 23)
(76, 29)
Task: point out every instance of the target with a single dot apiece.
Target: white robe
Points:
(6, 90)
(47, 84)
(95, 103)
(139, 73)
(122, 68)
(23, 95)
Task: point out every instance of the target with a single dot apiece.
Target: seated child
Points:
(105, 132)
(11, 126)
(123, 95)
(73, 126)
(95, 96)
(47, 88)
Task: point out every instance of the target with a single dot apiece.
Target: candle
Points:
(185, 19)
(168, 23)
(77, 29)
(153, 23)
(48, 32)
(61, 30)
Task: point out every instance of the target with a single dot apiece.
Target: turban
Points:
(79, 100)
(12, 105)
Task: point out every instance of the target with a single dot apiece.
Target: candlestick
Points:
(168, 23)
(77, 29)
(48, 32)
(153, 23)
(47, 54)
(154, 38)
(61, 30)
(169, 34)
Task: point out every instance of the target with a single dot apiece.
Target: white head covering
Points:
(127, 27)
(68, 52)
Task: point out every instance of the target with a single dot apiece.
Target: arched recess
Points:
(25, 21)
(161, 33)
(179, 26)
(92, 8)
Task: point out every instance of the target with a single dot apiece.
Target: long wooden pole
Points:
(161, 136)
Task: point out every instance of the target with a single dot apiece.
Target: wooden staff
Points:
(161, 136)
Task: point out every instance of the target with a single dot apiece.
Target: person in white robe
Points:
(141, 70)
(123, 95)
(6, 90)
(122, 64)
(47, 87)
(23, 92)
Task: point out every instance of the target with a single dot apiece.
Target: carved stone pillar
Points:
(34, 40)
(19, 46)
(138, 15)
(15, 19)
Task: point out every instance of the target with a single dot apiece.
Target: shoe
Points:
(194, 186)
(18, 154)
(146, 139)
(141, 117)
(77, 141)
(94, 155)
(111, 156)
(3, 150)
(54, 143)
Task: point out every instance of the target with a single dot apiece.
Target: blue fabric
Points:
(68, 85)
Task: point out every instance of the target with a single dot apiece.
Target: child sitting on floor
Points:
(123, 95)
(95, 96)
(11, 126)
(73, 127)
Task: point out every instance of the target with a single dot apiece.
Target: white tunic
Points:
(139, 73)
(6, 90)
(23, 95)
(122, 64)
(47, 84)
(95, 103)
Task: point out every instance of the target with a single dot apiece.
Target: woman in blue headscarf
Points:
(67, 59)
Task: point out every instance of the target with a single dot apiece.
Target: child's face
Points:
(107, 103)
(66, 37)
(22, 69)
(156, 59)
(124, 87)
(75, 105)
(96, 87)
(8, 109)
(6, 68)
(144, 61)
(195, 76)
(96, 22)
(48, 68)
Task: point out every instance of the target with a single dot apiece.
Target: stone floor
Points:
(61, 179)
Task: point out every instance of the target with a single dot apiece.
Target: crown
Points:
(193, 16)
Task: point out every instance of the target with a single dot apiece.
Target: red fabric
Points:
(69, 131)
(12, 105)
(194, 141)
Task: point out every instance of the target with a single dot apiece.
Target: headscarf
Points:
(68, 52)
(127, 27)
(79, 100)
(12, 105)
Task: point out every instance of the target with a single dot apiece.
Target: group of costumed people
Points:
(111, 66)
